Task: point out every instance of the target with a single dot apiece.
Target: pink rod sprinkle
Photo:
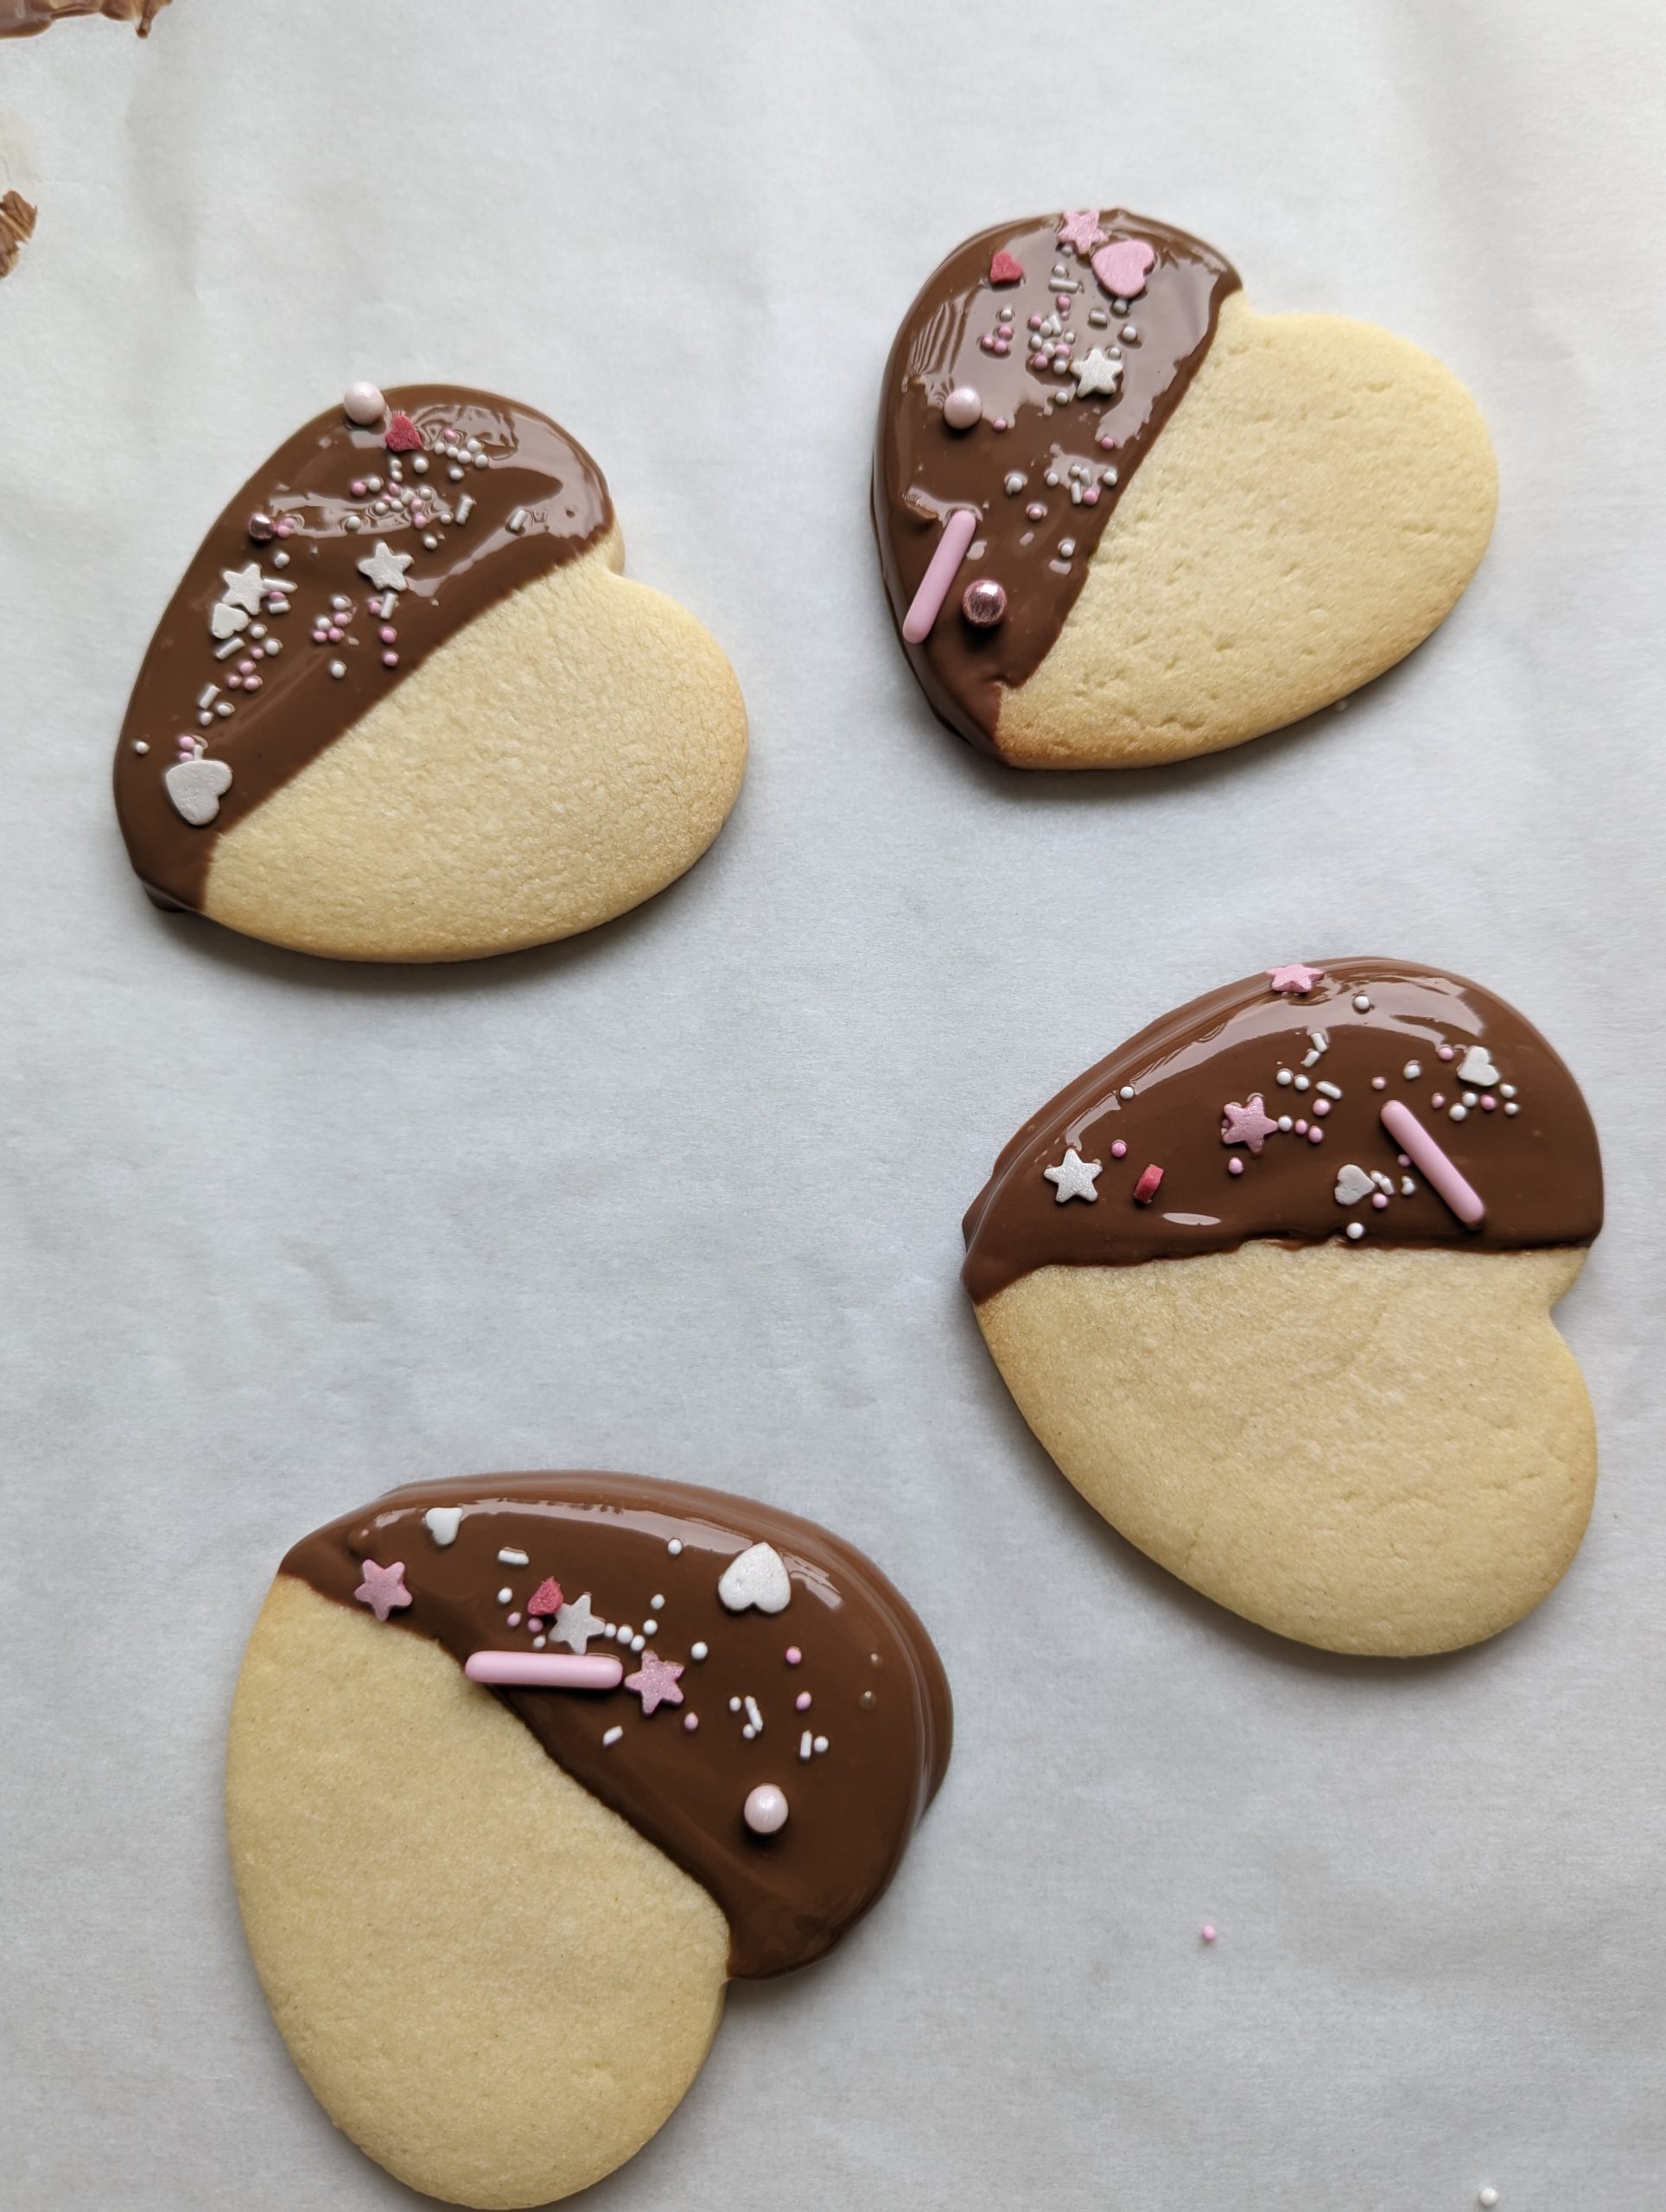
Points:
(544, 1670)
(1443, 1178)
(957, 534)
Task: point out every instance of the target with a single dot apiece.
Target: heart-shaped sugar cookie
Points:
(1194, 523)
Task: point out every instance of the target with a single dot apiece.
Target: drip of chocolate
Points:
(23, 18)
(1029, 425)
(1248, 1076)
(16, 228)
(527, 500)
(626, 1550)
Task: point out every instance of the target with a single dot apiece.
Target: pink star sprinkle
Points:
(382, 1588)
(546, 1599)
(1293, 976)
(655, 1683)
(1251, 1124)
(1081, 229)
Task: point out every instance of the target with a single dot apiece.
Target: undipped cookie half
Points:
(1123, 518)
(1273, 1285)
(522, 1769)
(404, 706)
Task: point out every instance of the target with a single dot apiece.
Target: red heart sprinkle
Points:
(403, 435)
(1003, 269)
(546, 1599)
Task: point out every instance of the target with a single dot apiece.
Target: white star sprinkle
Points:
(575, 1624)
(1073, 1177)
(244, 586)
(386, 570)
(1097, 372)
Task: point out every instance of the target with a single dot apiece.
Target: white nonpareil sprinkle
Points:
(734, 1705)
(337, 668)
(1303, 1083)
(1127, 1091)
(1285, 1078)
(140, 746)
(657, 1602)
(223, 708)
(1412, 1069)
(612, 1736)
(637, 1642)
(1458, 1113)
(510, 1558)
(650, 1627)
(1512, 1107)
(1286, 1123)
(821, 1743)
(1362, 1004)
(1356, 1230)
(1407, 1188)
(504, 1595)
(674, 1547)
(1506, 1091)
(698, 1652)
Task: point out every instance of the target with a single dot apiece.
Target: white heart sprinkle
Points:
(755, 1577)
(1354, 1184)
(226, 620)
(440, 1522)
(194, 787)
(1476, 1067)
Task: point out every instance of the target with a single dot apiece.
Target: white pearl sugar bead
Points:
(364, 404)
(765, 1809)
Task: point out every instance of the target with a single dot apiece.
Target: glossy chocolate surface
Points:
(1031, 425)
(877, 1694)
(1249, 1053)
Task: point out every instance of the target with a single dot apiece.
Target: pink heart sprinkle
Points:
(1003, 269)
(546, 1599)
(1121, 267)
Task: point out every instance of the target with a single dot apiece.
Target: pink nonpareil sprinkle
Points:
(1315, 1137)
(690, 1721)
(389, 660)
(388, 634)
(1234, 1167)
(1445, 1053)
(1147, 1188)
(1119, 1150)
(801, 1703)
(1207, 1931)
(794, 1656)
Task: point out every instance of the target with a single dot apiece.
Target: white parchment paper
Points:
(684, 1196)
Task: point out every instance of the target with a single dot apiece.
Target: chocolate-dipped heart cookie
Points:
(405, 705)
(1122, 518)
(522, 1769)
(1273, 1285)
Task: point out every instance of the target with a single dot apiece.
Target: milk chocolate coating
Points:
(534, 471)
(924, 469)
(1537, 1169)
(23, 18)
(877, 1687)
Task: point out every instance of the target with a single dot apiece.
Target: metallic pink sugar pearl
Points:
(984, 602)
(1315, 1137)
(794, 1656)
(1119, 1150)
(389, 660)
(1234, 1167)
(1379, 1200)
(388, 634)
